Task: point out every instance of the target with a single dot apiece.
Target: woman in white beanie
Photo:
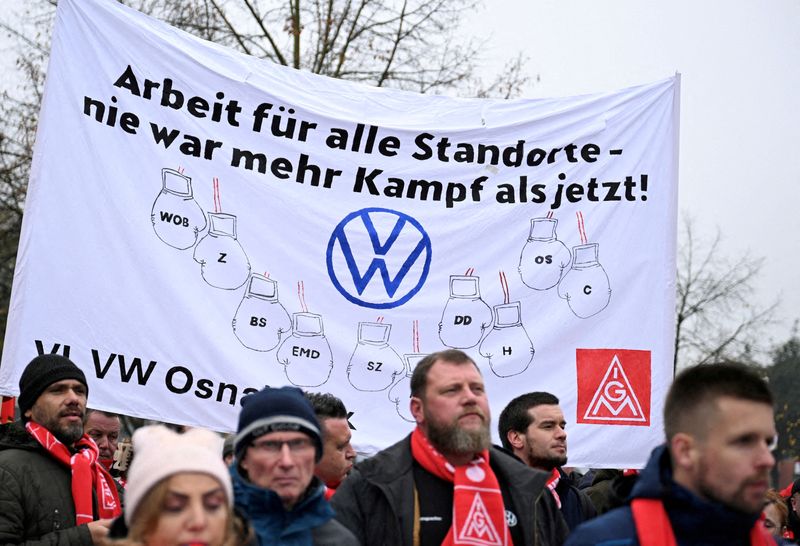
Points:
(179, 491)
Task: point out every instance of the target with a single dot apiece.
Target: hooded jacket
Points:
(36, 506)
(694, 521)
(309, 522)
(376, 501)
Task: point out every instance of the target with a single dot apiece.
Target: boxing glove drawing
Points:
(586, 286)
(544, 259)
(507, 346)
(466, 316)
(374, 365)
(261, 319)
(223, 262)
(176, 217)
(400, 393)
(306, 354)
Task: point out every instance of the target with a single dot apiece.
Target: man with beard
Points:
(532, 426)
(707, 484)
(52, 488)
(444, 483)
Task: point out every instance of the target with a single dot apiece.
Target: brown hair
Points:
(146, 517)
(773, 497)
(419, 379)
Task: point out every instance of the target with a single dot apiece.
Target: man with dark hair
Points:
(52, 489)
(338, 455)
(532, 426)
(103, 427)
(444, 483)
(707, 484)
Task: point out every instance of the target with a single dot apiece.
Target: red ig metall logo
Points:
(613, 386)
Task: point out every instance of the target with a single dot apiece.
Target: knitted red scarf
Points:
(86, 474)
(653, 527)
(552, 483)
(478, 511)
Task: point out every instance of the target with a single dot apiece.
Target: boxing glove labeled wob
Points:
(586, 286)
(508, 346)
(223, 262)
(466, 316)
(544, 259)
(176, 217)
(374, 365)
(261, 319)
(306, 354)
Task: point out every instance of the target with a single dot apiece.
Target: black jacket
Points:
(36, 506)
(376, 502)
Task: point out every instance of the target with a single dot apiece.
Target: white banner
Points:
(200, 223)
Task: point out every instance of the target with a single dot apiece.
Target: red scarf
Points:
(86, 475)
(552, 483)
(654, 529)
(479, 516)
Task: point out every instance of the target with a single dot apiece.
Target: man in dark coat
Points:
(52, 488)
(445, 484)
(532, 426)
(707, 484)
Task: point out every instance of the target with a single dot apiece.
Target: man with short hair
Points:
(277, 444)
(103, 427)
(445, 483)
(707, 484)
(338, 455)
(532, 426)
(52, 489)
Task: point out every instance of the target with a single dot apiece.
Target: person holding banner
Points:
(444, 483)
(53, 489)
(278, 442)
(706, 485)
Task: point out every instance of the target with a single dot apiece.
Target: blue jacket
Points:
(695, 522)
(309, 523)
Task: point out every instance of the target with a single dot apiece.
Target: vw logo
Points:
(378, 258)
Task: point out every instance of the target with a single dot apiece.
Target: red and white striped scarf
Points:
(552, 483)
(87, 474)
(479, 516)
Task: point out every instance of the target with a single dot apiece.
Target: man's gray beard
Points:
(452, 439)
(69, 434)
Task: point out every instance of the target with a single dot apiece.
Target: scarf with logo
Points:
(478, 510)
(87, 474)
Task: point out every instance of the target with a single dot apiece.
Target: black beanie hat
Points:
(40, 373)
(276, 410)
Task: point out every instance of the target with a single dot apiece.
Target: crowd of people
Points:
(287, 476)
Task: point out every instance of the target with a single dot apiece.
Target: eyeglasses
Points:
(275, 447)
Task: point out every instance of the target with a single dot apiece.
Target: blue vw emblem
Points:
(383, 241)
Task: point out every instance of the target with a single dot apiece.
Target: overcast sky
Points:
(740, 104)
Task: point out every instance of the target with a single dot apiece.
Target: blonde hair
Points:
(149, 511)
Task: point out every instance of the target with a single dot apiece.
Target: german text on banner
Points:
(200, 223)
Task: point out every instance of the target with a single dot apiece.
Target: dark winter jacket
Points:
(376, 501)
(694, 520)
(309, 522)
(576, 507)
(36, 506)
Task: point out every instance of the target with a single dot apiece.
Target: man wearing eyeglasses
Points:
(277, 445)
(707, 484)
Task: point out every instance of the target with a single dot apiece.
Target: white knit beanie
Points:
(159, 452)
